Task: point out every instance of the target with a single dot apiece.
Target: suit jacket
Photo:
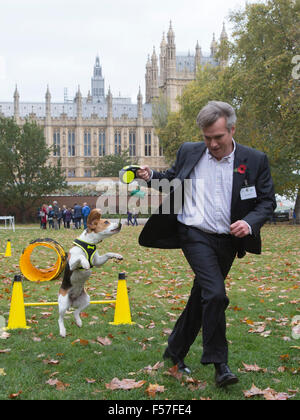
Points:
(160, 230)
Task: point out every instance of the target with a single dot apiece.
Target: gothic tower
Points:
(98, 83)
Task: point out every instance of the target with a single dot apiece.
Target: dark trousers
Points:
(210, 257)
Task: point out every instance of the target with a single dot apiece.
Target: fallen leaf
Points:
(59, 385)
(252, 392)
(104, 341)
(4, 335)
(253, 368)
(81, 342)
(150, 369)
(90, 381)
(51, 362)
(153, 389)
(15, 395)
(268, 393)
(126, 384)
(195, 384)
(2, 372)
(173, 371)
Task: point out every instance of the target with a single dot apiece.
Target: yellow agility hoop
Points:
(32, 273)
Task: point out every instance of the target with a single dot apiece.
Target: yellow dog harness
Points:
(88, 249)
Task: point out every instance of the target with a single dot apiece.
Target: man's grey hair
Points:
(215, 110)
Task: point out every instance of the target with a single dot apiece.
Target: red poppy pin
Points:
(241, 169)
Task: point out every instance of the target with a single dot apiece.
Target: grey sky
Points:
(55, 42)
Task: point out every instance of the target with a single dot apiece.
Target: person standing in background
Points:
(85, 213)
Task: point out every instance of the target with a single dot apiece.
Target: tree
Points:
(25, 173)
(266, 39)
(110, 165)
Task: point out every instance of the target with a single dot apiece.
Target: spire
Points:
(48, 94)
(97, 83)
(140, 97)
(16, 93)
(213, 46)
(198, 55)
(224, 35)
(16, 104)
(79, 95)
(148, 65)
(171, 35)
(154, 57)
(163, 44)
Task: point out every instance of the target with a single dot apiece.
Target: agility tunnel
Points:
(34, 273)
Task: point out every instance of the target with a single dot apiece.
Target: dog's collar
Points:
(88, 249)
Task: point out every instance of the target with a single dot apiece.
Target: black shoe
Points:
(224, 376)
(182, 367)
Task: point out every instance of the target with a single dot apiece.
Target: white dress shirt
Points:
(207, 194)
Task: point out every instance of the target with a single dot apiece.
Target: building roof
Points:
(119, 108)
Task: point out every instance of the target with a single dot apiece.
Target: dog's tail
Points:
(66, 283)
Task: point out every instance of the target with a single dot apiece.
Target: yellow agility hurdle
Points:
(17, 318)
(30, 272)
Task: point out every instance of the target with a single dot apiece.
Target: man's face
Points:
(218, 139)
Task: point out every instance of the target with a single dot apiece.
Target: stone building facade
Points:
(85, 129)
(168, 74)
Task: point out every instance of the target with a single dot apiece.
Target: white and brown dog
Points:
(81, 258)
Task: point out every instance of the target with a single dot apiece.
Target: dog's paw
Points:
(62, 332)
(78, 322)
(117, 257)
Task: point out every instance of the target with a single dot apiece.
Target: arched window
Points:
(132, 143)
(56, 143)
(117, 142)
(102, 143)
(148, 143)
(87, 143)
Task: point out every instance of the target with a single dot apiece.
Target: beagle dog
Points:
(82, 257)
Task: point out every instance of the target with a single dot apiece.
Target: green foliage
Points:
(24, 172)
(267, 96)
(110, 165)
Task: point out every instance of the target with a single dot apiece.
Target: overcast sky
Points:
(55, 42)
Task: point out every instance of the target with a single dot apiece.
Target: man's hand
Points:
(144, 173)
(240, 229)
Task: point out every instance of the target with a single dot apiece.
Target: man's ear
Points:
(93, 219)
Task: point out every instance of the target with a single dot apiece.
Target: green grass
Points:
(262, 289)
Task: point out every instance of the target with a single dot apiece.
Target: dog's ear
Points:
(93, 219)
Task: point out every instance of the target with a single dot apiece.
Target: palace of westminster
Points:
(87, 128)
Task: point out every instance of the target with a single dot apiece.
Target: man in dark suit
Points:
(227, 193)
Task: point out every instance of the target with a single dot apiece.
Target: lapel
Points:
(238, 179)
(192, 159)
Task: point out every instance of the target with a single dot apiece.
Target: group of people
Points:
(55, 216)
